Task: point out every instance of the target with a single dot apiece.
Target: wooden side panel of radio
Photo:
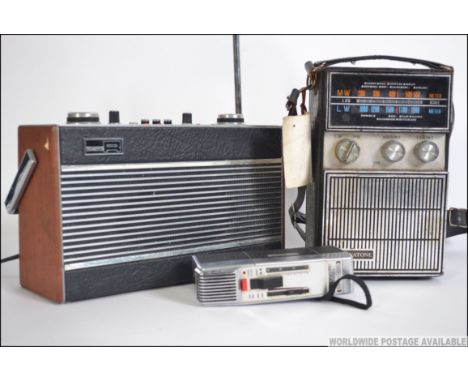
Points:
(39, 219)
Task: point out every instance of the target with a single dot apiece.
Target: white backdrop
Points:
(44, 77)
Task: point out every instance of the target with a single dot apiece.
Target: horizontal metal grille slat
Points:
(130, 230)
(210, 282)
(392, 223)
(174, 250)
(115, 246)
(207, 286)
(175, 206)
(157, 199)
(200, 189)
(147, 218)
(216, 287)
(82, 201)
(97, 242)
(198, 182)
(173, 212)
(115, 214)
(125, 225)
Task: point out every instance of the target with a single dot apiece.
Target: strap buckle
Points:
(457, 217)
(293, 216)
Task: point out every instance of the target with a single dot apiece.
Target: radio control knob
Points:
(393, 151)
(114, 116)
(347, 151)
(186, 117)
(82, 117)
(426, 151)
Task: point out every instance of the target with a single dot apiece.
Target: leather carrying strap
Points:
(331, 293)
(456, 221)
(327, 63)
(296, 216)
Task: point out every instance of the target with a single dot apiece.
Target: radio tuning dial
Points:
(393, 151)
(426, 151)
(347, 151)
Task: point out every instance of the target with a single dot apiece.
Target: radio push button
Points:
(426, 151)
(347, 151)
(186, 117)
(114, 116)
(244, 285)
(393, 151)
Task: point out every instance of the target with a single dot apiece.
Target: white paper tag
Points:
(297, 156)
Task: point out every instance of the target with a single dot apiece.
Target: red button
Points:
(244, 284)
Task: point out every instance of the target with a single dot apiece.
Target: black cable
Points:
(331, 293)
(10, 258)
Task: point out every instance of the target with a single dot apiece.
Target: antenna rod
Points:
(237, 77)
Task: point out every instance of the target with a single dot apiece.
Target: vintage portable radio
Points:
(252, 277)
(112, 208)
(115, 208)
(380, 141)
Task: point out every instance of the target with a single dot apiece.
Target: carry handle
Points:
(25, 170)
(326, 63)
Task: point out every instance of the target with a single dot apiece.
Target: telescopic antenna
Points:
(237, 117)
(237, 75)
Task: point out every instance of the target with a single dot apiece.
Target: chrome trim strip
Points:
(148, 256)
(254, 168)
(183, 176)
(130, 166)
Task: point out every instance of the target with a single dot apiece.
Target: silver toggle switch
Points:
(393, 151)
(426, 151)
(347, 151)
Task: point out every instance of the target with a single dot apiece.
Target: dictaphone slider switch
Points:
(266, 283)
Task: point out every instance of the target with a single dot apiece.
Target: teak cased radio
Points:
(117, 208)
(380, 157)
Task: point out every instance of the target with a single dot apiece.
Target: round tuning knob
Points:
(426, 151)
(393, 151)
(82, 117)
(347, 151)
